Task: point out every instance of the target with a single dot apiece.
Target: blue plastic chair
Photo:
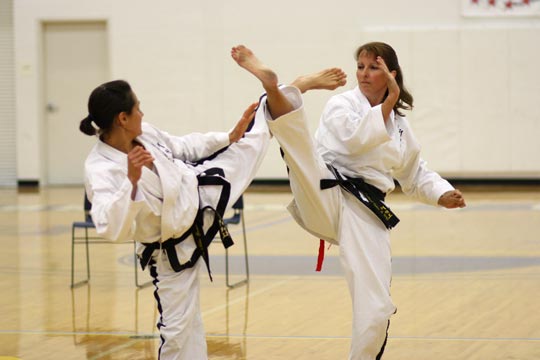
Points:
(87, 225)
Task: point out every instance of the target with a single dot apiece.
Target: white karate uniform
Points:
(353, 138)
(166, 203)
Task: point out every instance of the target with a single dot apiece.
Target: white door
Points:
(75, 62)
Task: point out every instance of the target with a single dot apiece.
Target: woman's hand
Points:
(393, 88)
(238, 131)
(137, 158)
(452, 199)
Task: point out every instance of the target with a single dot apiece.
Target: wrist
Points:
(134, 191)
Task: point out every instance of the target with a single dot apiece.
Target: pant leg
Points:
(366, 259)
(316, 210)
(241, 160)
(180, 324)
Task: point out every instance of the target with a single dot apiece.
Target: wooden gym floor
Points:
(466, 284)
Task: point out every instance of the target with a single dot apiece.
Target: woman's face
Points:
(135, 118)
(371, 78)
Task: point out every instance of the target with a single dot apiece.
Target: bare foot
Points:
(328, 79)
(246, 59)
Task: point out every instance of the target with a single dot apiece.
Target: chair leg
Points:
(73, 283)
(87, 254)
(72, 255)
(245, 246)
(135, 260)
(246, 279)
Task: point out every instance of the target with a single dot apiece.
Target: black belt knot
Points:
(202, 239)
(368, 194)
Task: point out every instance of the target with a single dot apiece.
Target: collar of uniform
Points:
(364, 101)
(116, 155)
(110, 153)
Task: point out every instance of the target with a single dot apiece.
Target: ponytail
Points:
(86, 126)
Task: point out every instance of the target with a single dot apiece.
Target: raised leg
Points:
(316, 211)
(278, 104)
(327, 79)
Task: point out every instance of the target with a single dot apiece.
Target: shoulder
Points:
(402, 122)
(150, 132)
(346, 96)
(406, 133)
(149, 129)
(103, 158)
(352, 98)
(342, 100)
(101, 172)
(348, 102)
(100, 158)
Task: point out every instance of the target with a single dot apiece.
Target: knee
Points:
(380, 318)
(376, 317)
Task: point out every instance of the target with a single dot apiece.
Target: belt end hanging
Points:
(224, 234)
(320, 258)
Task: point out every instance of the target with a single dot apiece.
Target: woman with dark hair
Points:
(169, 193)
(339, 182)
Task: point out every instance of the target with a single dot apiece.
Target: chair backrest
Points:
(239, 204)
(87, 208)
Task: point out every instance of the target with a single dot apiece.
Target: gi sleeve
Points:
(349, 131)
(113, 211)
(416, 179)
(195, 146)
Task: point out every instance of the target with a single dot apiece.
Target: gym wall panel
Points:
(467, 74)
(484, 101)
(434, 63)
(7, 96)
(524, 100)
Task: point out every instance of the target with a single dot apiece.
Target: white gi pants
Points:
(177, 294)
(338, 217)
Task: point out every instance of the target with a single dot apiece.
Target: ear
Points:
(394, 73)
(122, 119)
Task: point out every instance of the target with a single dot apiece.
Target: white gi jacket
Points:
(165, 206)
(353, 138)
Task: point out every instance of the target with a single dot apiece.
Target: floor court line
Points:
(269, 207)
(113, 350)
(263, 336)
(250, 296)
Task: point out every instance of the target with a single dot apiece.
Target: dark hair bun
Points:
(86, 126)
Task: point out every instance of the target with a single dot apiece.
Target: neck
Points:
(120, 141)
(376, 99)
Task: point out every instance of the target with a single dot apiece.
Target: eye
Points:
(360, 66)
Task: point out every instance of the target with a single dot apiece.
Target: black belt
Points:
(202, 239)
(368, 194)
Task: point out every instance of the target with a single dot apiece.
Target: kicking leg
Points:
(328, 79)
(278, 104)
(316, 211)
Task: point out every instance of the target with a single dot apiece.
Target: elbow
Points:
(110, 234)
